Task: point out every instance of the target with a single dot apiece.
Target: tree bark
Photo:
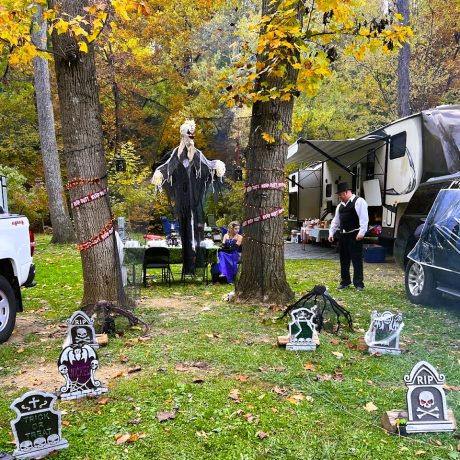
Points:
(85, 159)
(404, 106)
(59, 213)
(263, 276)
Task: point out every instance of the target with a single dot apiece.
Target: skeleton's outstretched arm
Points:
(216, 165)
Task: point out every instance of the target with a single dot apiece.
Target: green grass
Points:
(235, 347)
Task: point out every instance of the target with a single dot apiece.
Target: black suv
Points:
(433, 265)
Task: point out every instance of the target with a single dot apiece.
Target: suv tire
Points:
(7, 309)
(420, 283)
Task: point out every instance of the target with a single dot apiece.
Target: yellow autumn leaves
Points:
(16, 24)
(291, 54)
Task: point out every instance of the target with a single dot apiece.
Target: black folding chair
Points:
(156, 258)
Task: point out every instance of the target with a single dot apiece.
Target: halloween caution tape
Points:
(263, 217)
(99, 238)
(266, 185)
(88, 198)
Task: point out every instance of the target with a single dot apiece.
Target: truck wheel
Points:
(420, 283)
(7, 309)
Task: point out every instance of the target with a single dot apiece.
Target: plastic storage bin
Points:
(374, 254)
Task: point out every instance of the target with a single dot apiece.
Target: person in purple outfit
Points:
(227, 267)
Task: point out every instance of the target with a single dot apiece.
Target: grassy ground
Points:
(214, 366)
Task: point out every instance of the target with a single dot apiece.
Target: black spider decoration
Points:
(320, 292)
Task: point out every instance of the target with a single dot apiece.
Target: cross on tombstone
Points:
(302, 330)
(80, 331)
(37, 427)
(384, 332)
(426, 400)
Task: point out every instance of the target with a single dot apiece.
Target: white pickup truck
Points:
(16, 266)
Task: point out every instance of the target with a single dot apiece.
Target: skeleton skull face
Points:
(26, 445)
(40, 442)
(82, 335)
(187, 131)
(53, 438)
(426, 399)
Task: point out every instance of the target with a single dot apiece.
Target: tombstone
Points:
(384, 331)
(426, 400)
(302, 330)
(37, 427)
(78, 365)
(80, 331)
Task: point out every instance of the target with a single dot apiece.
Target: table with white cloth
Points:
(319, 234)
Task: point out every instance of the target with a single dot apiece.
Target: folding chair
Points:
(156, 258)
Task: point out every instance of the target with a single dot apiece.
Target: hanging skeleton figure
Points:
(186, 174)
(320, 292)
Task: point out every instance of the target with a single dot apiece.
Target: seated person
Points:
(226, 268)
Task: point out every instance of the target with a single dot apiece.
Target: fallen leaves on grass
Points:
(283, 391)
(298, 397)
(198, 380)
(451, 387)
(164, 416)
(370, 407)
(134, 369)
(103, 401)
(235, 395)
(241, 377)
(122, 438)
(262, 435)
(337, 354)
(309, 366)
(420, 452)
(334, 341)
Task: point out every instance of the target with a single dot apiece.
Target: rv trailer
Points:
(385, 166)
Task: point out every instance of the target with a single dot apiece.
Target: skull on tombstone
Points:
(40, 442)
(25, 445)
(82, 336)
(53, 438)
(426, 399)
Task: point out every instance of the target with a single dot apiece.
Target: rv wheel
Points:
(7, 309)
(420, 283)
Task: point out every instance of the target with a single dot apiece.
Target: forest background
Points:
(158, 69)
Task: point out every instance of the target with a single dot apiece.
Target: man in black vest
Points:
(351, 219)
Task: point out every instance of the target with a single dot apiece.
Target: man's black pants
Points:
(351, 250)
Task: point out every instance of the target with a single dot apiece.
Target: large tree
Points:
(295, 52)
(59, 214)
(84, 155)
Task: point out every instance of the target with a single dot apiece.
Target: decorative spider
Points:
(320, 293)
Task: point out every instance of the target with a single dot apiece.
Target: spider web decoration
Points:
(326, 306)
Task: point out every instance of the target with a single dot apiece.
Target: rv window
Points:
(398, 145)
(370, 164)
(328, 190)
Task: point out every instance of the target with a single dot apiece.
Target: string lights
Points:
(99, 238)
(264, 243)
(76, 181)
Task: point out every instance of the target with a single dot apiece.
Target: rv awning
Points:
(311, 150)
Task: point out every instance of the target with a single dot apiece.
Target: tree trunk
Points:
(59, 214)
(263, 276)
(84, 155)
(404, 108)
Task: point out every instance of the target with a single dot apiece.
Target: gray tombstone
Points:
(384, 331)
(302, 330)
(426, 400)
(80, 331)
(37, 427)
(78, 365)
